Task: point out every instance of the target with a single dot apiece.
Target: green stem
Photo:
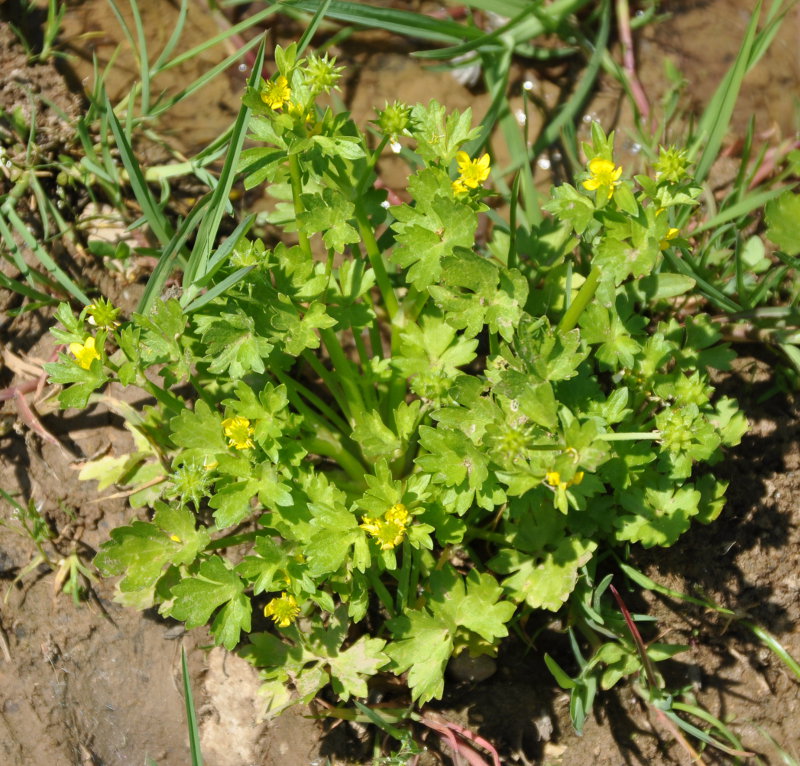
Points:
(623, 436)
(329, 381)
(294, 389)
(327, 445)
(344, 368)
(582, 299)
(297, 190)
(164, 397)
(412, 306)
(381, 591)
(376, 259)
(403, 578)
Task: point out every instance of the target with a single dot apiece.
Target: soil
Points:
(96, 683)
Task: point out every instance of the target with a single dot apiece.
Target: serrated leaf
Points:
(424, 637)
(426, 234)
(440, 135)
(374, 437)
(475, 292)
(656, 515)
(199, 430)
(298, 333)
(214, 585)
(233, 345)
(329, 213)
(142, 550)
(568, 204)
(545, 581)
(783, 222)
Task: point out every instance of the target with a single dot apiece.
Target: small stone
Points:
(476, 669)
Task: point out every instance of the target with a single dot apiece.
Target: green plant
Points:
(618, 651)
(72, 576)
(48, 187)
(386, 424)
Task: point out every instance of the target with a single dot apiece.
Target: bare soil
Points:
(96, 683)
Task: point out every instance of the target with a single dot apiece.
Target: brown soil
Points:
(99, 684)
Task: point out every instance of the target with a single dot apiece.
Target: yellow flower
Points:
(472, 173)
(276, 92)
(85, 353)
(238, 430)
(553, 478)
(283, 610)
(459, 187)
(604, 175)
(668, 237)
(391, 529)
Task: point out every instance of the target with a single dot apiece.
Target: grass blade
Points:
(405, 23)
(311, 27)
(168, 257)
(155, 217)
(198, 261)
(41, 254)
(191, 716)
(218, 289)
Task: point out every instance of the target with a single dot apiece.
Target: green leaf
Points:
(296, 333)
(616, 346)
(544, 581)
(657, 515)
(374, 437)
(329, 213)
(198, 596)
(163, 327)
(440, 135)
(346, 147)
(142, 550)
(199, 431)
(431, 354)
(568, 204)
(470, 296)
(424, 654)
(233, 345)
(783, 222)
(232, 502)
(432, 230)
(86, 382)
(352, 667)
(424, 638)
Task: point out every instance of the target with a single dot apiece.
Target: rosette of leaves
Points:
(516, 420)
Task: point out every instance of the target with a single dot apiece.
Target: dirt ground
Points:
(100, 684)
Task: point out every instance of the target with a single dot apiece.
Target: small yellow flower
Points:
(553, 478)
(472, 173)
(276, 92)
(238, 430)
(668, 237)
(175, 538)
(459, 187)
(604, 175)
(391, 529)
(283, 610)
(85, 353)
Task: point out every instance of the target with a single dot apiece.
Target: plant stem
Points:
(622, 436)
(344, 368)
(582, 299)
(376, 259)
(295, 389)
(327, 445)
(297, 190)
